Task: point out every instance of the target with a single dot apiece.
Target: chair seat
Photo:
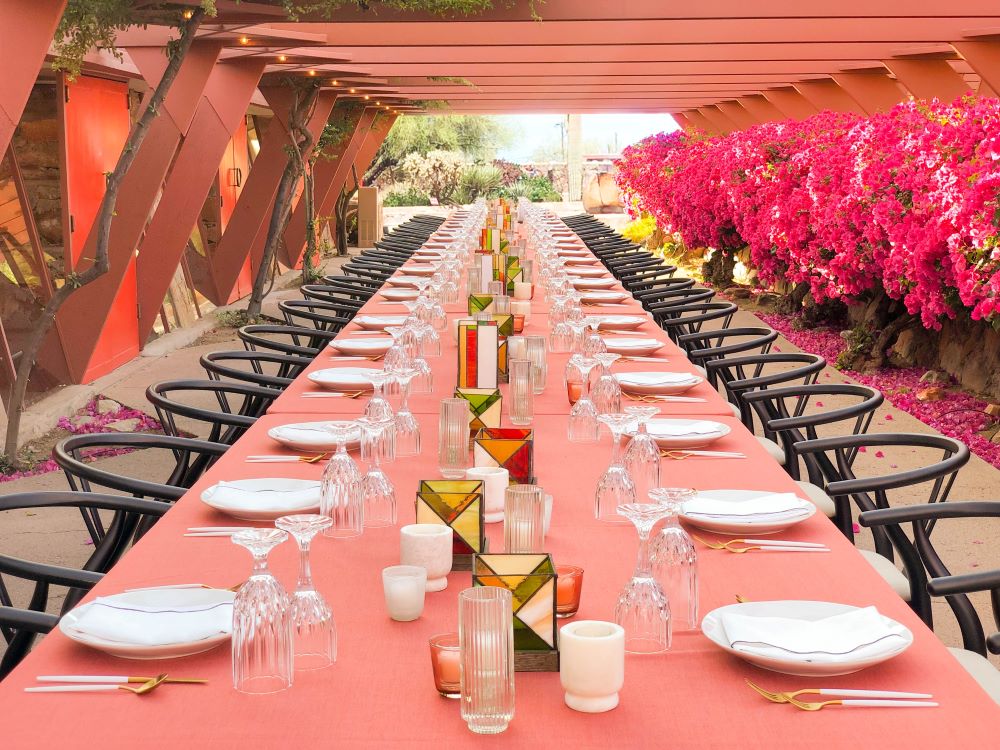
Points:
(819, 498)
(735, 410)
(889, 572)
(981, 669)
(702, 371)
(774, 450)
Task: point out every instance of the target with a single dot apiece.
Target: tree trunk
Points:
(792, 302)
(343, 201)
(102, 225)
(308, 260)
(301, 144)
(718, 270)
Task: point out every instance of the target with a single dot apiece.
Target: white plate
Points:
(427, 252)
(580, 260)
(261, 506)
(566, 252)
(405, 281)
(604, 296)
(637, 347)
(379, 322)
(421, 269)
(593, 283)
(711, 626)
(658, 383)
(399, 295)
(736, 526)
(311, 436)
(151, 598)
(587, 273)
(363, 347)
(618, 322)
(347, 379)
(679, 442)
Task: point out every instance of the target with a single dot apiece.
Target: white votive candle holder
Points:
(521, 307)
(592, 664)
(495, 481)
(522, 290)
(428, 545)
(404, 587)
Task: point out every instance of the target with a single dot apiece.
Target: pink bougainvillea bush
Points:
(91, 419)
(906, 202)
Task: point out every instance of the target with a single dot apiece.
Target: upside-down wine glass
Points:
(615, 487)
(643, 609)
(407, 427)
(312, 619)
(340, 487)
(379, 409)
(263, 637)
(377, 490)
(674, 558)
(606, 393)
(583, 424)
(642, 454)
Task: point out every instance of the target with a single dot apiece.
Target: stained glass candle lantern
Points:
(506, 269)
(531, 579)
(457, 503)
(484, 407)
(508, 447)
(478, 354)
(480, 303)
(505, 323)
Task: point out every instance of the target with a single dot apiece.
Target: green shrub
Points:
(537, 189)
(410, 196)
(479, 180)
(234, 318)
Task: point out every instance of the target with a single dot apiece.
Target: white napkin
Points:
(654, 378)
(665, 429)
(766, 507)
(113, 620)
(276, 497)
(305, 435)
(851, 636)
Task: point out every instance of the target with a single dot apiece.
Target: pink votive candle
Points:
(569, 585)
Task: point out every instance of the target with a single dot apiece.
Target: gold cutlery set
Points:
(102, 683)
(849, 697)
(762, 545)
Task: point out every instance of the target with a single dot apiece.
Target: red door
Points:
(232, 174)
(97, 125)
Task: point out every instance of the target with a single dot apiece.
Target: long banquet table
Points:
(380, 692)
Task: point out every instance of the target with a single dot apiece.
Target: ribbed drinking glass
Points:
(340, 487)
(642, 454)
(536, 351)
(674, 559)
(453, 438)
(377, 490)
(486, 647)
(522, 394)
(524, 518)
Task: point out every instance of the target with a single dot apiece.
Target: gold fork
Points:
(313, 459)
(146, 687)
(780, 697)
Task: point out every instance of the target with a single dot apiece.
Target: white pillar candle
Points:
(521, 307)
(522, 290)
(495, 480)
(547, 515)
(592, 664)
(404, 587)
(428, 545)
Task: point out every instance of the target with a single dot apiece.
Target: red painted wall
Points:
(97, 124)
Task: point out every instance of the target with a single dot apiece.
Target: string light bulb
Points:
(188, 14)
(282, 58)
(353, 91)
(312, 72)
(336, 82)
(244, 40)
(367, 97)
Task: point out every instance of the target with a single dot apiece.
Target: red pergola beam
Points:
(220, 111)
(26, 30)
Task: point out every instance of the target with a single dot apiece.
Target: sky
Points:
(536, 134)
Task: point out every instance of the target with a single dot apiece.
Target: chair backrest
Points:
(239, 405)
(664, 289)
(284, 339)
(669, 303)
(954, 588)
(833, 468)
(792, 414)
(184, 460)
(678, 320)
(735, 376)
(349, 299)
(266, 369)
(704, 346)
(19, 625)
(324, 316)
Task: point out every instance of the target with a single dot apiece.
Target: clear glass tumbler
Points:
(524, 518)
(263, 635)
(486, 642)
(522, 395)
(453, 438)
(536, 352)
(315, 629)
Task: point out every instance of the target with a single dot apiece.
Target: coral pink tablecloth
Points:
(380, 692)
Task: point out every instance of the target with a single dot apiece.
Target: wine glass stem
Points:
(616, 448)
(643, 569)
(260, 565)
(585, 385)
(305, 572)
(405, 401)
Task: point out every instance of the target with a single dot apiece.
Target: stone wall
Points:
(967, 350)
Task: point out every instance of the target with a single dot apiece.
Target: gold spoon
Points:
(146, 687)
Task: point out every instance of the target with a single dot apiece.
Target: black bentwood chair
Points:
(932, 573)
(239, 405)
(831, 462)
(19, 626)
(265, 369)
